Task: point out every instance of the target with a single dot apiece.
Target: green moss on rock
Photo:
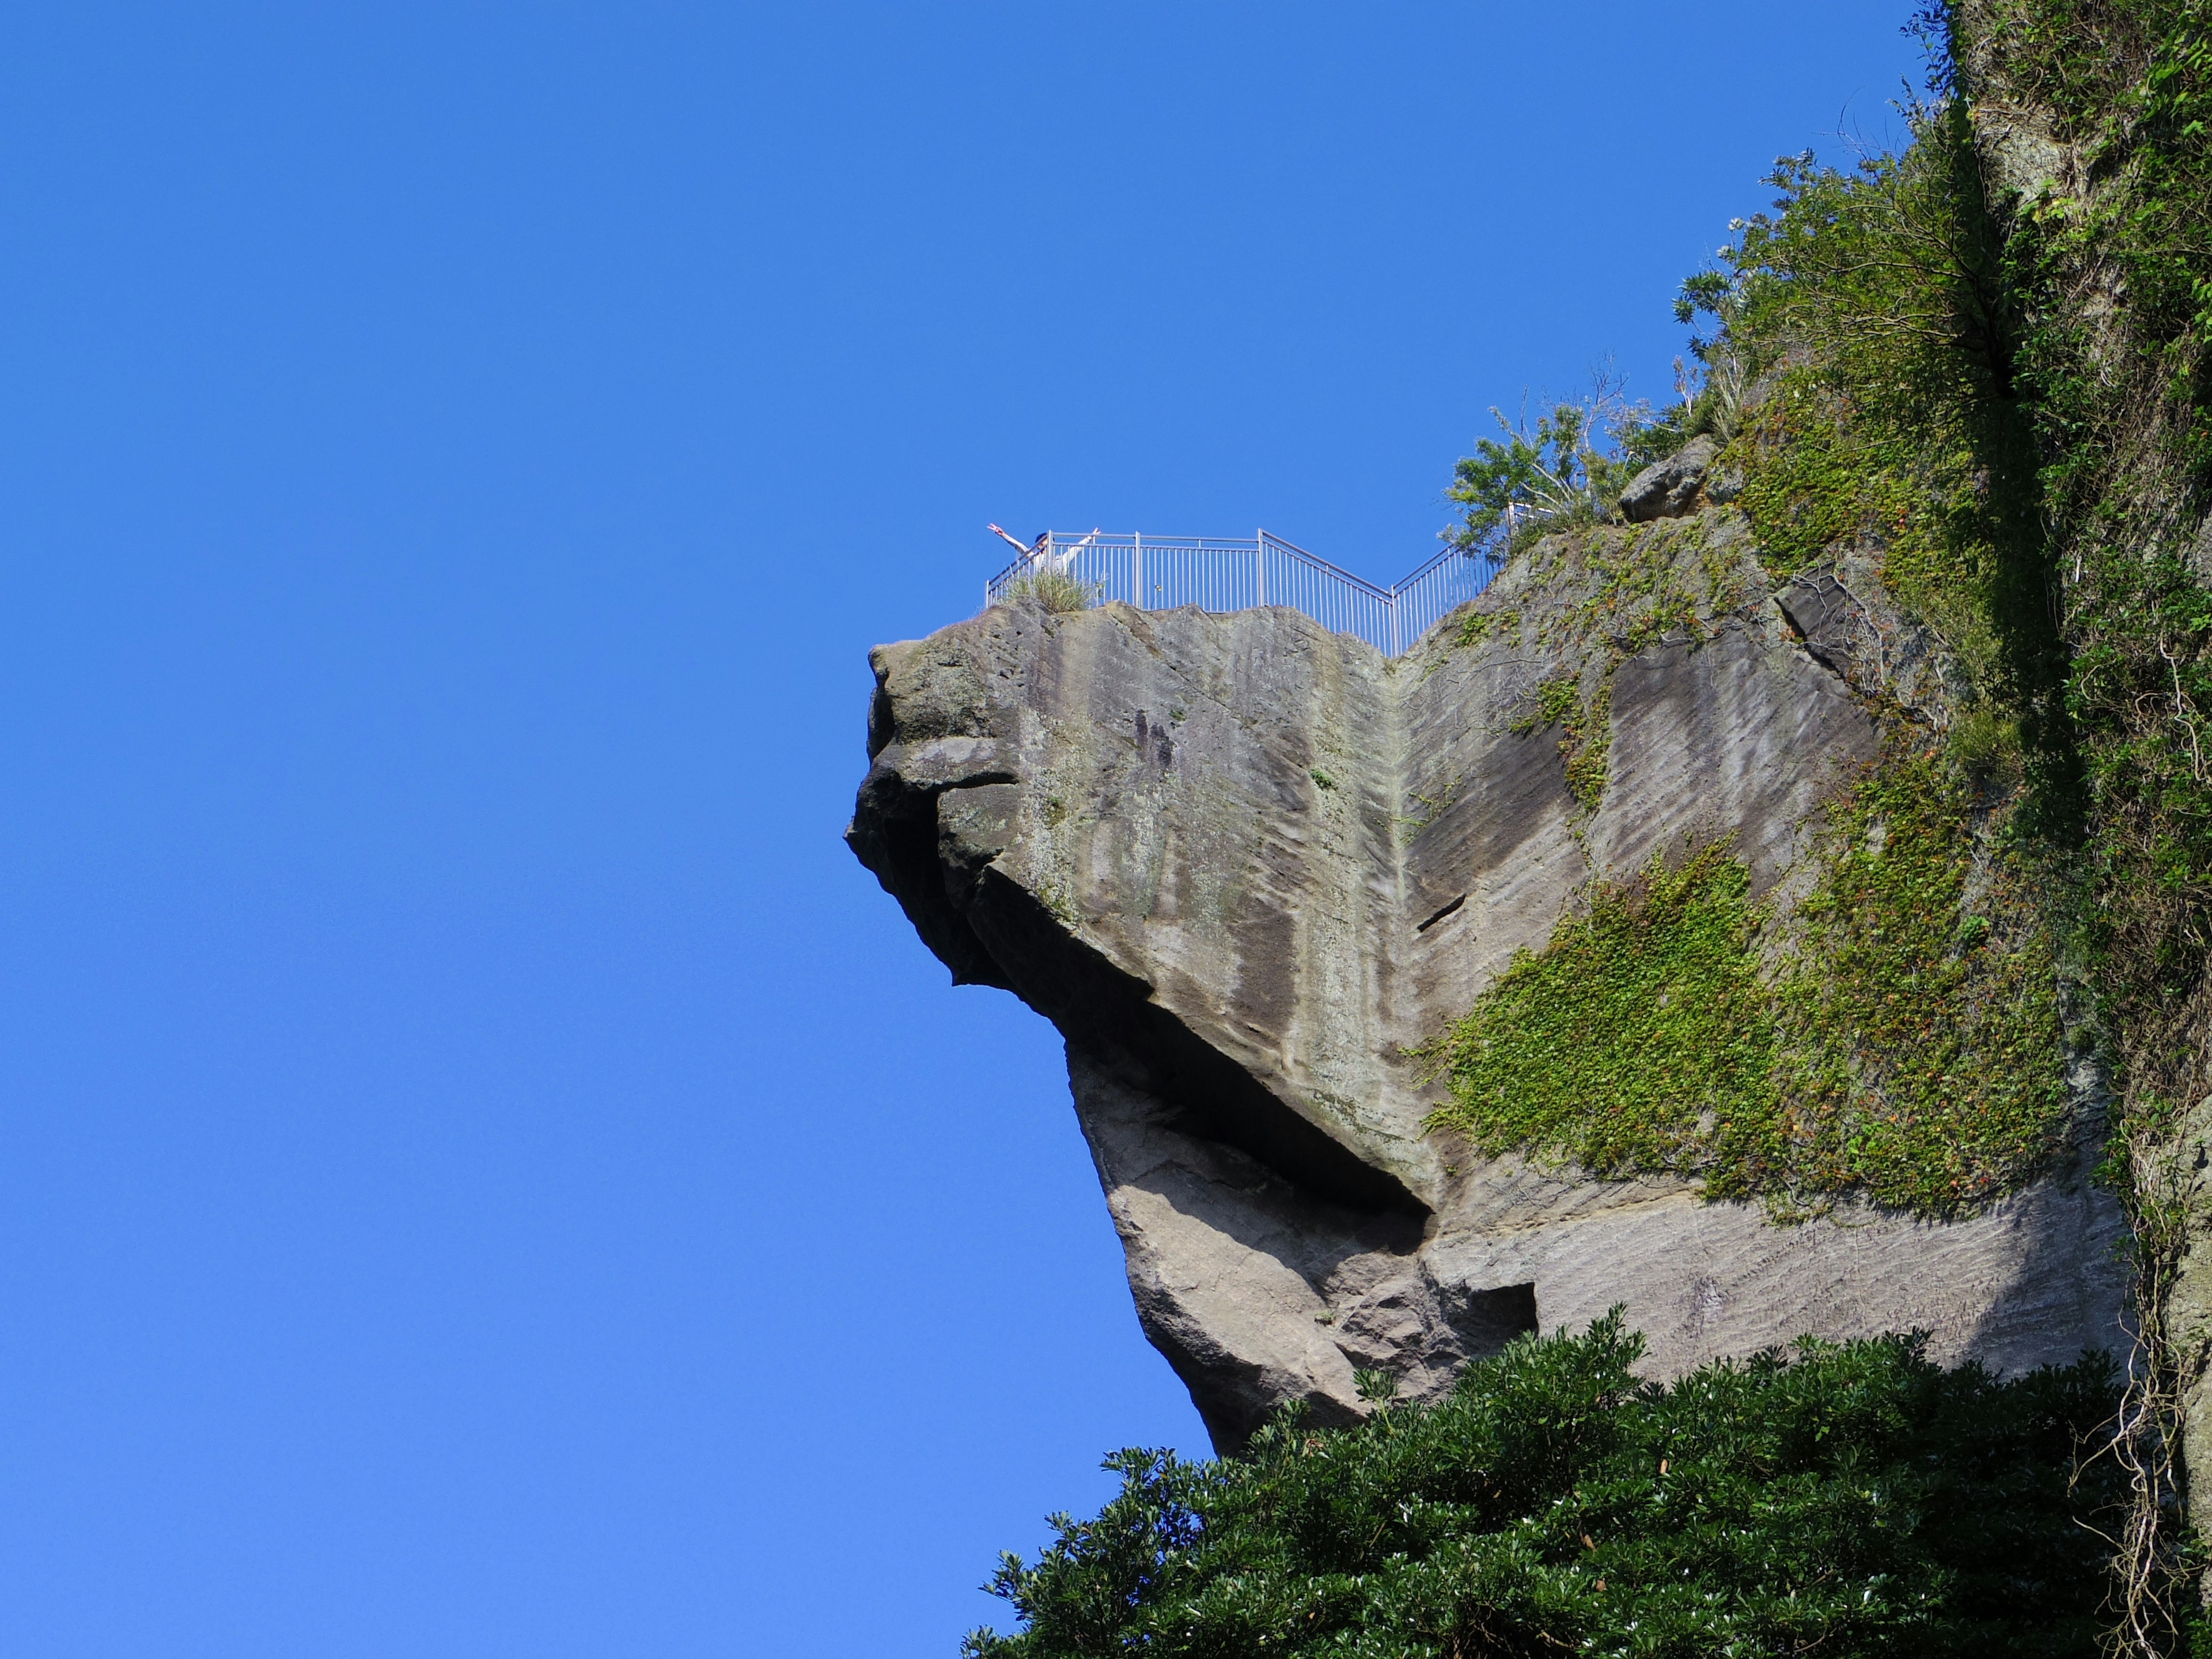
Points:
(1640, 1026)
(1925, 1062)
(1902, 1043)
(1585, 731)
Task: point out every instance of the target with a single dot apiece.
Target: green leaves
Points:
(1569, 469)
(1639, 1035)
(1851, 1499)
(1545, 473)
(1902, 1044)
(1925, 1064)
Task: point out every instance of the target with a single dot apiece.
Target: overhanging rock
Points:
(1244, 865)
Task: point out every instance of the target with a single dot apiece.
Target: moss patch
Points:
(1924, 1063)
(1478, 625)
(1624, 589)
(1585, 731)
(1902, 1045)
(1586, 744)
(1612, 1045)
(1828, 464)
(1803, 487)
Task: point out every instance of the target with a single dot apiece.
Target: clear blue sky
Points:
(482, 1170)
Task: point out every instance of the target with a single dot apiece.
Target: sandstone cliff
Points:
(1246, 866)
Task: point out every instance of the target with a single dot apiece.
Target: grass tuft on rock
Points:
(1056, 589)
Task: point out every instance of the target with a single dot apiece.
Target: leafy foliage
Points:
(1615, 589)
(1569, 469)
(2031, 343)
(2108, 267)
(1585, 731)
(1640, 1032)
(1922, 1050)
(2112, 269)
(1905, 1044)
(1868, 305)
(1844, 1499)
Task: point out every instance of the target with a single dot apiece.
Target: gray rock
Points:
(2199, 556)
(1121, 816)
(2186, 1174)
(1668, 488)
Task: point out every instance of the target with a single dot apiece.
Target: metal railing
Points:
(1166, 573)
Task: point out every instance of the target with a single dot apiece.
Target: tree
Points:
(1847, 1500)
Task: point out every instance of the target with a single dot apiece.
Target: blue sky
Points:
(482, 1170)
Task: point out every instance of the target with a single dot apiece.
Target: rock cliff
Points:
(1248, 866)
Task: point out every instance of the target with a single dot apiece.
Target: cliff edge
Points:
(1256, 874)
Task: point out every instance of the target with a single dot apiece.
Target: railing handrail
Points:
(1226, 573)
(1440, 555)
(1337, 571)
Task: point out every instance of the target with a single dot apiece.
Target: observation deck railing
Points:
(1166, 573)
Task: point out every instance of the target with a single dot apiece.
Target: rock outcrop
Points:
(1668, 488)
(1245, 865)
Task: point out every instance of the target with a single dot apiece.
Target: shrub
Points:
(1056, 589)
(1844, 1499)
(1570, 468)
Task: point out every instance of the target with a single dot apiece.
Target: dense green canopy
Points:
(1841, 1500)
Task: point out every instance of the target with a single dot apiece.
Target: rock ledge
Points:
(1242, 864)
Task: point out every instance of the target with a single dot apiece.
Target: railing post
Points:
(1205, 574)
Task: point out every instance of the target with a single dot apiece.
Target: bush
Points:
(1561, 471)
(1056, 589)
(1847, 1500)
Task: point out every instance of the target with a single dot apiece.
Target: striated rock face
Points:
(1244, 864)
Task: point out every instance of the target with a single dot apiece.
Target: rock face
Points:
(1667, 489)
(1244, 864)
(2189, 1305)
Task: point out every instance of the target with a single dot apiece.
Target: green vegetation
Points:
(1617, 591)
(1825, 469)
(1860, 309)
(1992, 388)
(1641, 1039)
(1477, 626)
(1586, 741)
(1585, 731)
(2032, 347)
(1569, 469)
(1902, 1044)
(1906, 1040)
(1056, 589)
(1848, 1500)
(1634, 588)
(1924, 1051)
(2108, 273)
(1613, 592)
(2121, 395)
(1897, 1034)
(1433, 806)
